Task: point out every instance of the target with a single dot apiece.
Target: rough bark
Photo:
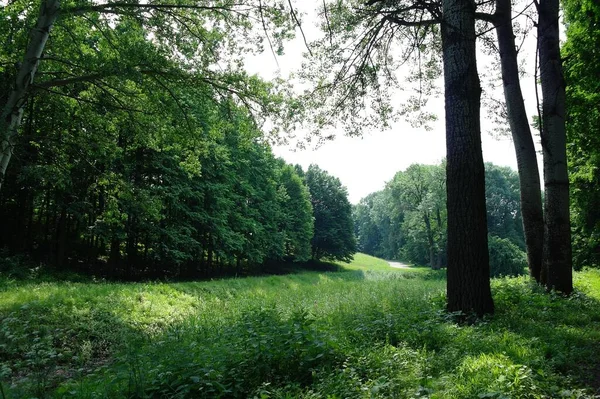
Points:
(557, 262)
(468, 284)
(529, 177)
(12, 112)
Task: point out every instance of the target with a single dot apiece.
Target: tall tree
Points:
(356, 57)
(468, 286)
(415, 25)
(297, 222)
(529, 177)
(557, 271)
(334, 229)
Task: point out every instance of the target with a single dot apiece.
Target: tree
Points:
(421, 191)
(529, 180)
(418, 194)
(502, 203)
(112, 42)
(297, 222)
(468, 286)
(557, 270)
(378, 224)
(354, 68)
(334, 230)
(583, 126)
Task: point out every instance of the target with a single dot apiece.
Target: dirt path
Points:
(398, 265)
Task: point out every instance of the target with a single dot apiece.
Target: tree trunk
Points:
(468, 284)
(557, 262)
(61, 238)
(529, 175)
(12, 111)
(429, 240)
(440, 248)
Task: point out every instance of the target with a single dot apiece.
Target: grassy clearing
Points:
(368, 332)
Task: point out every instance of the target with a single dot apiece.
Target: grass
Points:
(369, 331)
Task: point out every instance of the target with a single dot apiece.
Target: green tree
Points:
(529, 178)
(377, 225)
(421, 192)
(297, 222)
(502, 204)
(580, 54)
(334, 229)
(557, 266)
(109, 45)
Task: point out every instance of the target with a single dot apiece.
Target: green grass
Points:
(370, 263)
(368, 332)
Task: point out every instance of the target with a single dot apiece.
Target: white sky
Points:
(365, 164)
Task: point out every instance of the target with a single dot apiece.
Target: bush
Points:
(506, 258)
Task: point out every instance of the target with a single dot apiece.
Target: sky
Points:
(365, 164)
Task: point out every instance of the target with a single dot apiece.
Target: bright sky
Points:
(365, 164)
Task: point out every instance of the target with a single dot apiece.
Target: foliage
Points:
(131, 200)
(506, 258)
(140, 152)
(407, 219)
(420, 191)
(361, 333)
(583, 118)
(334, 231)
(377, 225)
(298, 223)
(366, 50)
(503, 203)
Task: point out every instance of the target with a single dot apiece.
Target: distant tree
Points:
(421, 191)
(334, 229)
(502, 204)
(580, 54)
(408, 218)
(377, 225)
(506, 259)
(366, 231)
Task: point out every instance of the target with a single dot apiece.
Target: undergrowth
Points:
(359, 333)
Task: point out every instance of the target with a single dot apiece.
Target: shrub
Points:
(506, 259)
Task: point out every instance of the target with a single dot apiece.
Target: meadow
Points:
(359, 330)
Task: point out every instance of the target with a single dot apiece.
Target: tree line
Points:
(91, 192)
(408, 218)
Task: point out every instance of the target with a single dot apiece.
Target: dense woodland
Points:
(131, 211)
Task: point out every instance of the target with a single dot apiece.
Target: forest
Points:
(153, 246)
